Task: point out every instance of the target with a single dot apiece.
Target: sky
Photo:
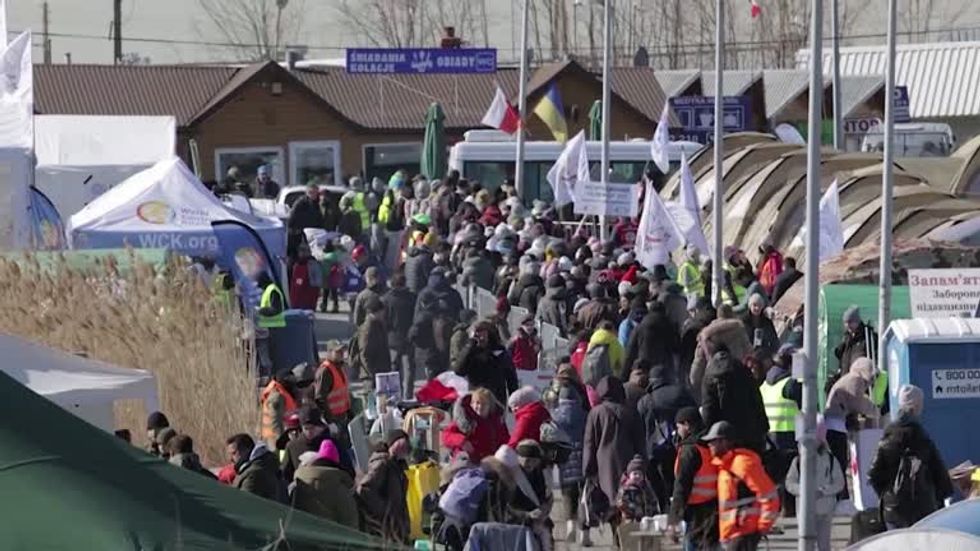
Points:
(165, 30)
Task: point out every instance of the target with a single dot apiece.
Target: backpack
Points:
(315, 273)
(556, 444)
(462, 498)
(912, 495)
(596, 365)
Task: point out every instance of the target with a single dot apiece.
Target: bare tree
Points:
(408, 23)
(255, 29)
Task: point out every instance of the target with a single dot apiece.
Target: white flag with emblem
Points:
(571, 166)
(658, 234)
(660, 144)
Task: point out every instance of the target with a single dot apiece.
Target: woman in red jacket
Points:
(306, 280)
(524, 347)
(477, 426)
(529, 415)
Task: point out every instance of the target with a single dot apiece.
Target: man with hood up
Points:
(477, 269)
(613, 436)
(848, 399)
(374, 289)
(438, 288)
(658, 409)
(654, 340)
(725, 332)
(730, 393)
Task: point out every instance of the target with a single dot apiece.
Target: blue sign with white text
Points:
(421, 61)
(697, 116)
(901, 104)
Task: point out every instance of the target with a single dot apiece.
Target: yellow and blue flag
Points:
(552, 112)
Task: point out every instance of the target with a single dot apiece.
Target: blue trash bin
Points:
(295, 343)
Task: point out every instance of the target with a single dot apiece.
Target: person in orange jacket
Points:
(748, 500)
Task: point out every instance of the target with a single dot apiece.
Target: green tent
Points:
(595, 121)
(88, 259)
(433, 163)
(69, 485)
(834, 300)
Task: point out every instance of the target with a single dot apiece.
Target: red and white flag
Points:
(756, 9)
(501, 114)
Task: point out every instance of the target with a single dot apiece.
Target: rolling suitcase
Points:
(865, 524)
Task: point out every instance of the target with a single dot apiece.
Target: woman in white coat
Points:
(830, 481)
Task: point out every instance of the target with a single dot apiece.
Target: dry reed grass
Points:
(161, 320)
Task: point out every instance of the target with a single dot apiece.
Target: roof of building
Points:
(639, 87)
(735, 83)
(856, 90)
(942, 78)
(677, 82)
(783, 86)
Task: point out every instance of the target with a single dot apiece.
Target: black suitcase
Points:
(865, 524)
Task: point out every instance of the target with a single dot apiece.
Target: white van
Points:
(914, 139)
(487, 156)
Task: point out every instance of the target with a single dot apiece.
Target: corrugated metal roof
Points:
(676, 83)
(640, 87)
(943, 78)
(174, 90)
(783, 86)
(856, 90)
(735, 83)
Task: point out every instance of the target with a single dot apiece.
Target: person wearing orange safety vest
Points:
(331, 386)
(695, 495)
(277, 401)
(748, 500)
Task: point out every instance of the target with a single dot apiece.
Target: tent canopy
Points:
(109, 495)
(85, 387)
(165, 206)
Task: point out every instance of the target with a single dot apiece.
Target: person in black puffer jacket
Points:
(655, 339)
(400, 314)
(730, 393)
(438, 288)
(418, 265)
(484, 362)
(477, 270)
(657, 410)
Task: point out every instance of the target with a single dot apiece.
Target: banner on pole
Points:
(593, 198)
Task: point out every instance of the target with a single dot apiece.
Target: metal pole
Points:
(887, 192)
(808, 443)
(522, 104)
(606, 78)
(717, 203)
(838, 104)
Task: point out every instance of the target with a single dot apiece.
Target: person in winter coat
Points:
(533, 508)
(305, 280)
(847, 399)
(785, 280)
(437, 288)
(529, 414)
(770, 267)
(907, 437)
(637, 311)
(374, 355)
(613, 436)
(256, 468)
(829, 482)
(418, 266)
(313, 431)
(525, 346)
(654, 340)
(477, 270)
(725, 333)
(485, 363)
(326, 490)
(729, 393)
(400, 314)
(605, 335)
(305, 213)
(759, 328)
(182, 455)
(598, 309)
(461, 335)
(638, 384)
(636, 499)
(381, 492)
(431, 335)
(703, 314)
(695, 495)
(477, 426)
(859, 341)
(373, 290)
(553, 306)
(568, 404)
(527, 291)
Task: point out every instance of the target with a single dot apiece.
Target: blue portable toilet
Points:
(942, 357)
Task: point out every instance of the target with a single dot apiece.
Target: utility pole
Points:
(522, 104)
(838, 103)
(45, 41)
(606, 98)
(117, 54)
(717, 201)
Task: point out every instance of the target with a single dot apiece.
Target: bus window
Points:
(490, 174)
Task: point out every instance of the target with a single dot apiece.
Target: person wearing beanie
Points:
(419, 262)
(848, 398)
(599, 308)
(381, 492)
(155, 423)
(830, 481)
(636, 499)
(859, 340)
(529, 414)
(695, 492)
(525, 345)
(532, 503)
(903, 439)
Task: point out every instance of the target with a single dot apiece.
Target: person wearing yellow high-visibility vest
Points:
(689, 275)
(779, 393)
(271, 315)
(358, 202)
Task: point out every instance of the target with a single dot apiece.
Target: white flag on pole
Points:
(658, 233)
(660, 144)
(689, 195)
(571, 166)
(831, 227)
(17, 94)
(3, 21)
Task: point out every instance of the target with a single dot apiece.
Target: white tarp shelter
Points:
(87, 388)
(79, 157)
(164, 207)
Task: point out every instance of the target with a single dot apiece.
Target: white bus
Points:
(487, 156)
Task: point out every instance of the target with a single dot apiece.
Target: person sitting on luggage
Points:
(830, 481)
(636, 498)
(477, 426)
(531, 503)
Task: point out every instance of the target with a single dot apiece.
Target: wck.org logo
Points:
(156, 212)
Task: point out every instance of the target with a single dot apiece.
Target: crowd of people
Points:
(663, 403)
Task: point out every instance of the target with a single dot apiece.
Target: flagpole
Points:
(887, 192)
(606, 77)
(717, 203)
(808, 443)
(522, 104)
(838, 103)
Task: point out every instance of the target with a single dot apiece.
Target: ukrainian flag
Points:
(552, 112)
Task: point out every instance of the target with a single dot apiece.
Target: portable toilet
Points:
(942, 357)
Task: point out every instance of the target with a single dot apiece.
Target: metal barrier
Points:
(485, 303)
(515, 317)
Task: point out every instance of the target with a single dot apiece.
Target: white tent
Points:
(79, 157)
(84, 387)
(167, 207)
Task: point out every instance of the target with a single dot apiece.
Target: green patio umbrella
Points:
(434, 145)
(595, 121)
